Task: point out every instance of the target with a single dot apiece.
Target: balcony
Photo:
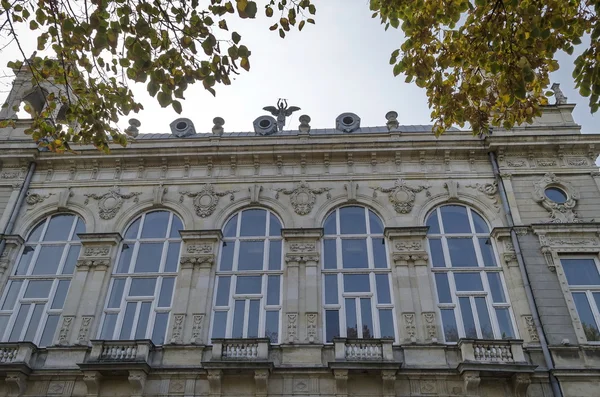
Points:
(117, 355)
(363, 354)
(249, 353)
(493, 355)
(16, 357)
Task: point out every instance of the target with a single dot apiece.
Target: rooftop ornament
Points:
(132, 130)
(561, 99)
(281, 112)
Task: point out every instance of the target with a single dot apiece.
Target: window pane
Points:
(172, 257)
(34, 322)
(356, 283)
(352, 220)
(443, 288)
(480, 225)
(35, 234)
(379, 257)
(367, 318)
(581, 271)
(160, 328)
(128, 321)
(484, 318)
(223, 291)
(142, 325)
(71, 260)
(351, 321)
(487, 252)
(3, 325)
(79, 228)
(354, 254)
(48, 259)
(253, 317)
(386, 323)
(238, 319)
(275, 255)
(597, 299)
(142, 287)
(166, 292)
(274, 226)
(61, 294)
(505, 324)
(49, 330)
(231, 227)
(38, 289)
(25, 260)
(125, 258)
(148, 257)
(116, 293)
(273, 290)
(176, 226)
(132, 231)
(383, 288)
(227, 255)
(59, 228)
(496, 288)
(272, 326)
(248, 285)
(155, 224)
(449, 323)
(331, 289)
(251, 255)
(254, 223)
(468, 282)
(455, 219)
(375, 223)
(11, 296)
(329, 254)
(432, 222)
(219, 324)
(437, 254)
(109, 326)
(15, 335)
(329, 226)
(468, 320)
(462, 252)
(590, 328)
(332, 325)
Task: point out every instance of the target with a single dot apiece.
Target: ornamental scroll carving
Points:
(111, 202)
(206, 199)
(33, 199)
(490, 190)
(402, 196)
(559, 212)
(302, 197)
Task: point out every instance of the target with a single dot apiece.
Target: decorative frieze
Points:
(303, 197)
(402, 195)
(96, 251)
(199, 249)
(302, 247)
(206, 199)
(111, 202)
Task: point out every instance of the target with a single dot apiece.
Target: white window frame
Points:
(264, 273)
(371, 271)
(480, 268)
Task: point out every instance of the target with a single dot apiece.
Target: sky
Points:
(340, 64)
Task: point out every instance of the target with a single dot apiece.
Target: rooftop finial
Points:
(218, 126)
(133, 130)
(392, 120)
(281, 112)
(561, 99)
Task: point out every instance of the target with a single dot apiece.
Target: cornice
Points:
(403, 232)
(208, 234)
(98, 238)
(302, 233)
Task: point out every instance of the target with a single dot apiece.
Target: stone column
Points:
(84, 300)
(195, 285)
(302, 284)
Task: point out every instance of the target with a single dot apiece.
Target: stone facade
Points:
(401, 174)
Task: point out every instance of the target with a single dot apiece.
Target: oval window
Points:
(555, 194)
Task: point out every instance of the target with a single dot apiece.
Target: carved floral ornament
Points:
(402, 196)
(206, 199)
(559, 212)
(302, 197)
(111, 202)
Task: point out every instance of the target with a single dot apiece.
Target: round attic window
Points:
(264, 123)
(555, 194)
(348, 120)
(182, 125)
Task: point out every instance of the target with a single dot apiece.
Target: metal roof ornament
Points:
(281, 112)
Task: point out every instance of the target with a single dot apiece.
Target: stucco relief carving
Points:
(111, 202)
(409, 245)
(206, 199)
(409, 326)
(84, 330)
(546, 163)
(197, 321)
(516, 163)
(452, 188)
(96, 251)
(9, 175)
(92, 263)
(311, 327)
(559, 212)
(199, 249)
(490, 190)
(430, 326)
(302, 247)
(191, 261)
(531, 328)
(177, 332)
(292, 327)
(402, 195)
(303, 197)
(577, 162)
(32, 199)
(63, 333)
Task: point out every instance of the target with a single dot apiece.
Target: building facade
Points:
(351, 261)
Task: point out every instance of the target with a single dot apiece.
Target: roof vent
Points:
(182, 128)
(347, 122)
(265, 125)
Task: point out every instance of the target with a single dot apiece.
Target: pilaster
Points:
(9, 255)
(511, 198)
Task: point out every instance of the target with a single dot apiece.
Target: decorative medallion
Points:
(111, 202)
(35, 198)
(206, 200)
(302, 197)
(561, 211)
(402, 195)
(489, 189)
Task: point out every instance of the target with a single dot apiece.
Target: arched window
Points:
(471, 294)
(35, 294)
(140, 296)
(357, 293)
(247, 302)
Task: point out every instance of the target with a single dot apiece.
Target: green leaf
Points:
(236, 37)
(176, 106)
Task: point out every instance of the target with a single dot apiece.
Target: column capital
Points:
(97, 250)
(199, 247)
